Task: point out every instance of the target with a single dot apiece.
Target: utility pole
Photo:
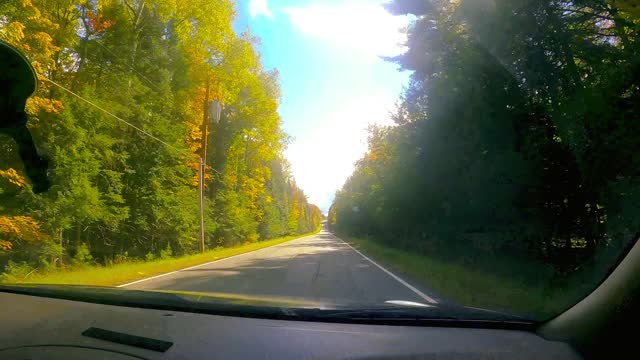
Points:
(201, 197)
(211, 109)
(205, 122)
(203, 161)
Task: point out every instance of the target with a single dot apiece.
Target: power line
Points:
(149, 82)
(118, 118)
(110, 113)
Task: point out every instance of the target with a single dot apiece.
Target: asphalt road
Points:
(319, 268)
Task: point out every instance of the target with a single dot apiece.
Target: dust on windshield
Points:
(470, 153)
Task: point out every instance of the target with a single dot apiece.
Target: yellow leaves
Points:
(193, 124)
(5, 245)
(19, 228)
(13, 33)
(7, 226)
(194, 136)
(230, 179)
(17, 225)
(252, 188)
(199, 23)
(37, 20)
(371, 156)
(43, 39)
(13, 177)
(38, 104)
(39, 69)
(29, 32)
(195, 109)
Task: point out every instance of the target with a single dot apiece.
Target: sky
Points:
(333, 79)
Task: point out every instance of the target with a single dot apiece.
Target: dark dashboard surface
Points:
(46, 328)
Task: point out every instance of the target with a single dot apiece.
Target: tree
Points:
(516, 134)
(124, 155)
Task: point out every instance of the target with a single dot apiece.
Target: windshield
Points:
(478, 158)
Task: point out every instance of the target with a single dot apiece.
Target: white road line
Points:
(207, 263)
(412, 288)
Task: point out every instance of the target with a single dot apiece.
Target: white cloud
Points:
(325, 157)
(259, 7)
(369, 29)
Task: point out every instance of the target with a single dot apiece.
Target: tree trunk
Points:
(78, 235)
(61, 237)
(137, 15)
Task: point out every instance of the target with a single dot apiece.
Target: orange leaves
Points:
(96, 22)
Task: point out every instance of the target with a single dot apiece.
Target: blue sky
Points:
(333, 81)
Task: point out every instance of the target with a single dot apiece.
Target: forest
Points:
(120, 113)
(516, 139)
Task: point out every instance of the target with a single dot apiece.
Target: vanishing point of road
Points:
(319, 268)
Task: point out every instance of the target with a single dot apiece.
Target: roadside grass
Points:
(135, 270)
(532, 297)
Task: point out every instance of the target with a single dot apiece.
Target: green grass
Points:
(132, 271)
(528, 296)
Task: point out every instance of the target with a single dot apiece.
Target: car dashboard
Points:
(37, 327)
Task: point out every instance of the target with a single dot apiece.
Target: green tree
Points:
(515, 135)
(130, 189)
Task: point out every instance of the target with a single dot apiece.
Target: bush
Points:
(121, 258)
(166, 253)
(15, 272)
(83, 255)
(149, 257)
(49, 256)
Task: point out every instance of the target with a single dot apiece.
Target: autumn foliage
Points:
(117, 192)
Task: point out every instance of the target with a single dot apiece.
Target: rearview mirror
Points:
(18, 81)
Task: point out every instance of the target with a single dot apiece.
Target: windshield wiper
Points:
(450, 316)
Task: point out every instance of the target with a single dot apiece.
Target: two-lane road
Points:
(319, 268)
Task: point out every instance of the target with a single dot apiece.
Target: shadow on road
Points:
(320, 269)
